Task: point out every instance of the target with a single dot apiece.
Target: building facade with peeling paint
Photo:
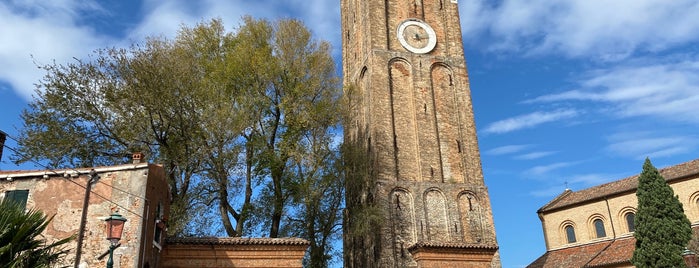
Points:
(81, 199)
(85, 197)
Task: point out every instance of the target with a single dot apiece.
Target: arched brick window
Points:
(599, 228)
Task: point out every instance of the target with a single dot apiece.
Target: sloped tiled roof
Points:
(619, 252)
(569, 198)
(236, 241)
(598, 254)
(569, 257)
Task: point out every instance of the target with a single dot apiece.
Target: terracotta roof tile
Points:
(619, 252)
(600, 254)
(569, 198)
(577, 256)
(236, 241)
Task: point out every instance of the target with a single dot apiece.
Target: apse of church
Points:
(412, 121)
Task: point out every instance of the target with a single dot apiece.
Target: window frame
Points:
(569, 230)
(630, 225)
(18, 196)
(600, 230)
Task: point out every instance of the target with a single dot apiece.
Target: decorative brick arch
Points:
(402, 213)
(471, 217)
(403, 121)
(436, 214)
(693, 204)
(624, 218)
(595, 230)
(565, 233)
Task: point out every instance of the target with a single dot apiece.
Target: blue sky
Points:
(572, 93)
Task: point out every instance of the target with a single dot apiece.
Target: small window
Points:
(599, 228)
(18, 197)
(570, 234)
(630, 218)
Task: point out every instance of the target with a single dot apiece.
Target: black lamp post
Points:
(690, 258)
(115, 226)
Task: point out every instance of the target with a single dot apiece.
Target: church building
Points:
(594, 227)
(416, 195)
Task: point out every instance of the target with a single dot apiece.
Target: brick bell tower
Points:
(415, 190)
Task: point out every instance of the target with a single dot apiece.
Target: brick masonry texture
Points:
(413, 117)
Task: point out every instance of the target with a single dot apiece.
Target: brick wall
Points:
(234, 252)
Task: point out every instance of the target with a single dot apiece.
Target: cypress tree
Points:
(662, 228)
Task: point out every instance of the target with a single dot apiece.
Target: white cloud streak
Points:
(42, 30)
(543, 170)
(609, 30)
(507, 149)
(642, 145)
(59, 30)
(528, 121)
(666, 90)
(534, 155)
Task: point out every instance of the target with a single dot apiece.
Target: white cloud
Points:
(588, 180)
(61, 30)
(637, 146)
(545, 169)
(166, 17)
(44, 30)
(507, 149)
(528, 121)
(534, 155)
(666, 90)
(603, 29)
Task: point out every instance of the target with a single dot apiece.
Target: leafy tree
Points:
(245, 124)
(21, 244)
(95, 112)
(662, 228)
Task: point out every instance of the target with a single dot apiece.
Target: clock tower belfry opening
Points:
(416, 196)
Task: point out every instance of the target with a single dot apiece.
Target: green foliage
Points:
(245, 124)
(21, 244)
(662, 228)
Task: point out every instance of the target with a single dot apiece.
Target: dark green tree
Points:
(21, 244)
(662, 228)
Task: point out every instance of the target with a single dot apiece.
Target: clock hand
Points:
(420, 36)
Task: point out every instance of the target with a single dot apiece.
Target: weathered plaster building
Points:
(139, 192)
(594, 227)
(85, 197)
(416, 177)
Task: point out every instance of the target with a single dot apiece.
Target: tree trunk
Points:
(248, 186)
(224, 206)
(278, 204)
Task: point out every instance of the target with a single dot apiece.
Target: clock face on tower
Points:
(416, 36)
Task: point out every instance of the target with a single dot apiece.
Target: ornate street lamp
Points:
(690, 258)
(115, 226)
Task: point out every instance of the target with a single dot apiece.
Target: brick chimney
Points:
(138, 157)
